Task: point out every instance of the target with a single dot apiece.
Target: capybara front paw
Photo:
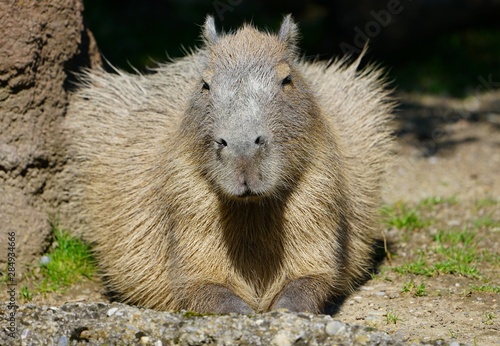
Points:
(301, 295)
(221, 300)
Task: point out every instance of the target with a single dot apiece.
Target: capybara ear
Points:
(289, 33)
(209, 31)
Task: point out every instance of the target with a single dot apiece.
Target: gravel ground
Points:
(119, 324)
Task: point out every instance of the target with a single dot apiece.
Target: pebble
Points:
(375, 316)
(25, 334)
(63, 341)
(334, 328)
(433, 160)
(44, 260)
(111, 312)
(281, 339)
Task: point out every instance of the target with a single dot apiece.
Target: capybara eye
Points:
(205, 85)
(287, 80)
(221, 142)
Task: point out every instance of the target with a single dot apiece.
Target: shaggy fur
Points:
(183, 219)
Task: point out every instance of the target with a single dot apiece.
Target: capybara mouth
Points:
(249, 194)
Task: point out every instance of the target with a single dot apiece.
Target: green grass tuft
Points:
(456, 254)
(420, 290)
(486, 221)
(419, 267)
(392, 317)
(485, 202)
(430, 202)
(26, 294)
(489, 288)
(488, 318)
(401, 216)
(70, 261)
(416, 290)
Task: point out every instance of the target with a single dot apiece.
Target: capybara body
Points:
(237, 179)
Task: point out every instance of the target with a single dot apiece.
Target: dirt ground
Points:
(458, 160)
(453, 156)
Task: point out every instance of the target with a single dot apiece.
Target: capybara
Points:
(240, 178)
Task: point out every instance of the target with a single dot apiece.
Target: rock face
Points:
(119, 324)
(41, 42)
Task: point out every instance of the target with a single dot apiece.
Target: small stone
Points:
(334, 328)
(380, 294)
(120, 313)
(158, 343)
(454, 343)
(26, 333)
(63, 341)
(44, 260)
(259, 322)
(433, 160)
(374, 316)
(111, 312)
(281, 339)
(144, 340)
(85, 334)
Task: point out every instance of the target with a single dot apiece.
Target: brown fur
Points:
(166, 237)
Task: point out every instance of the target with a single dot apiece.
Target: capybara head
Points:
(252, 114)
